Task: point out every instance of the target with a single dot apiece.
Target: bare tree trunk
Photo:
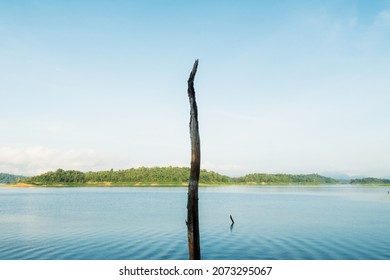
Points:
(192, 204)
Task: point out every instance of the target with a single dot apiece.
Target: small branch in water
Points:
(231, 218)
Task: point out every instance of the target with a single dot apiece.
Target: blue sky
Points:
(282, 86)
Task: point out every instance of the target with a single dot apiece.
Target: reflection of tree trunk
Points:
(192, 204)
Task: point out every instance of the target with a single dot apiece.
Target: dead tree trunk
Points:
(192, 204)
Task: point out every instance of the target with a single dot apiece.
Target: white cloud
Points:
(383, 18)
(35, 160)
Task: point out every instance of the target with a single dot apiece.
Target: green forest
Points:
(173, 176)
(142, 175)
(312, 179)
(371, 181)
(6, 178)
(168, 176)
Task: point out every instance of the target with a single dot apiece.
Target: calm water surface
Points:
(289, 222)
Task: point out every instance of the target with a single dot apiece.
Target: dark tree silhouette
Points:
(192, 204)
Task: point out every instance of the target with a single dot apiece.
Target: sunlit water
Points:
(289, 222)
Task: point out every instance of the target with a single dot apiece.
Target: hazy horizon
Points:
(293, 87)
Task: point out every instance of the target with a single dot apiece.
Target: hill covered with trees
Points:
(142, 175)
(370, 181)
(258, 178)
(167, 176)
(173, 176)
(6, 178)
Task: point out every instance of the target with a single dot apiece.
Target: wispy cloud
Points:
(383, 18)
(34, 160)
(373, 36)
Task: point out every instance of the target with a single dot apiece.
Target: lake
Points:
(341, 222)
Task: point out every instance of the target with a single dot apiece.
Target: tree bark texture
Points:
(192, 204)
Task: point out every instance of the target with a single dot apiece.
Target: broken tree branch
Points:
(231, 218)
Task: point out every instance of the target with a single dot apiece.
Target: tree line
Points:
(174, 175)
(370, 180)
(169, 175)
(163, 175)
(6, 178)
(286, 179)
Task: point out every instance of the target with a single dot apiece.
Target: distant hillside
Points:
(6, 178)
(168, 175)
(370, 180)
(175, 176)
(314, 179)
(142, 175)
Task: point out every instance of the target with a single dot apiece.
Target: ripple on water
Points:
(123, 224)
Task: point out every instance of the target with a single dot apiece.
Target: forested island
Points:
(370, 181)
(149, 176)
(166, 176)
(6, 178)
